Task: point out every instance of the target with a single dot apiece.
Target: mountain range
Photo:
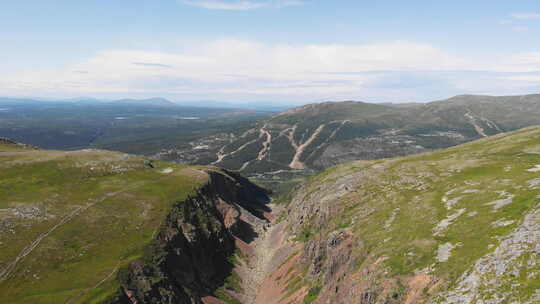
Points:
(135, 126)
(155, 101)
(310, 138)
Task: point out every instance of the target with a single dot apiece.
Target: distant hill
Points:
(156, 101)
(313, 137)
(260, 106)
(136, 126)
(148, 102)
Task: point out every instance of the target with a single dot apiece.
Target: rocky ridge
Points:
(95, 226)
(190, 257)
(455, 226)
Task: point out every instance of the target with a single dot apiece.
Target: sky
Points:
(281, 51)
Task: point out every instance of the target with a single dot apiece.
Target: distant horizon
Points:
(245, 103)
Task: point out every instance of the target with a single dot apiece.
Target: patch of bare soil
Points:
(416, 286)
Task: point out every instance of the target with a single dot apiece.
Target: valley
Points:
(133, 126)
(270, 152)
(449, 226)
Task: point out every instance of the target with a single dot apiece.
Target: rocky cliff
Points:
(455, 226)
(191, 255)
(102, 227)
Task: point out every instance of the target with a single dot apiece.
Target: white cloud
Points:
(241, 5)
(526, 15)
(246, 70)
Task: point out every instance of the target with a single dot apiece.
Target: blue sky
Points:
(288, 51)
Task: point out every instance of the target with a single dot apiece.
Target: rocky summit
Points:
(459, 225)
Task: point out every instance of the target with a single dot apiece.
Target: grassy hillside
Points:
(460, 225)
(69, 221)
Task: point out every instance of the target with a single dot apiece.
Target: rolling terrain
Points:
(457, 225)
(313, 137)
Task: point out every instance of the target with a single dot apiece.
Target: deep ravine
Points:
(260, 264)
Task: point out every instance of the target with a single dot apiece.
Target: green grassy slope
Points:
(70, 220)
(449, 215)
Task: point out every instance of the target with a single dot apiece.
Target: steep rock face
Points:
(454, 226)
(335, 258)
(189, 259)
